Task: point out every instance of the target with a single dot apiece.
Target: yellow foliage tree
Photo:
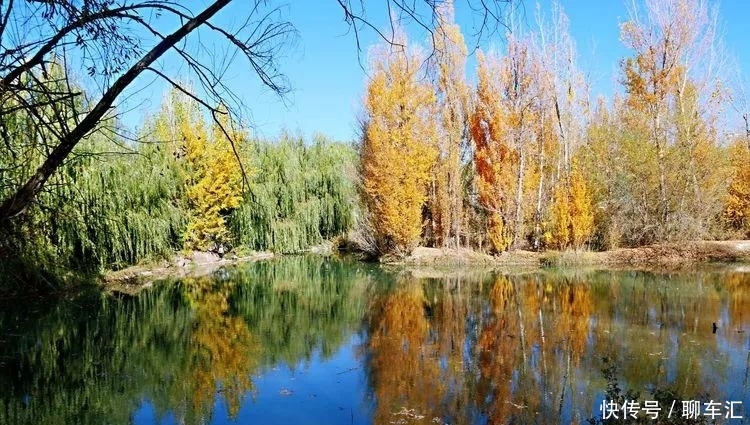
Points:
(559, 232)
(581, 209)
(210, 171)
(214, 183)
(737, 205)
(674, 98)
(493, 158)
(572, 220)
(398, 149)
(453, 95)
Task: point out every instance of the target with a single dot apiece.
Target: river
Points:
(313, 340)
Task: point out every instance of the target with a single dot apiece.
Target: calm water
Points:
(307, 340)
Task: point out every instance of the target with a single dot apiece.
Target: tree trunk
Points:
(519, 196)
(540, 190)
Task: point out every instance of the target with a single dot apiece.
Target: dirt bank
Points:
(682, 254)
(671, 255)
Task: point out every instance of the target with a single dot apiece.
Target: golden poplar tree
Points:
(558, 234)
(519, 74)
(398, 148)
(453, 93)
(673, 100)
(572, 222)
(581, 209)
(737, 205)
(209, 169)
(493, 157)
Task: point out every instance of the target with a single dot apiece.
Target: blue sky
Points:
(327, 81)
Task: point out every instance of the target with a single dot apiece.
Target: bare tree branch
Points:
(22, 198)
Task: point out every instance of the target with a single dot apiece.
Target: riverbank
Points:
(668, 255)
(132, 279)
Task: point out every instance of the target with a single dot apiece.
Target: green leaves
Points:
(298, 197)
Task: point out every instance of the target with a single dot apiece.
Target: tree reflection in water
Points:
(452, 348)
(528, 348)
(224, 353)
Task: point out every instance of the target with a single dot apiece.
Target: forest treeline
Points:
(184, 186)
(525, 158)
(522, 158)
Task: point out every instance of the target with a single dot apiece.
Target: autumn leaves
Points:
(443, 166)
(523, 159)
(396, 161)
(208, 167)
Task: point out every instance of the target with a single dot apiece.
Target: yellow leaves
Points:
(493, 159)
(581, 209)
(572, 221)
(453, 95)
(736, 213)
(398, 149)
(215, 185)
(561, 220)
(499, 235)
(210, 170)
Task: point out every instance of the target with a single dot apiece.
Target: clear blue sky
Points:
(327, 80)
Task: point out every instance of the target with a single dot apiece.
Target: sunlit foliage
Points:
(117, 203)
(572, 221)
(493, 157)
(737, 205)
(447, 188)
(397, 147)
(672, 103)
(211, 172)
(214, 184)
(110, 205)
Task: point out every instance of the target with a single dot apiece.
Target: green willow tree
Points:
(106, 27)
(98, 212)
(299, 194)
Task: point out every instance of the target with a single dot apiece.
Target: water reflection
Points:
(223, 352)
(312, 340)
(528, 349)
(184, 349)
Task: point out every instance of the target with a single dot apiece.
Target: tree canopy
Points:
(110, 40)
